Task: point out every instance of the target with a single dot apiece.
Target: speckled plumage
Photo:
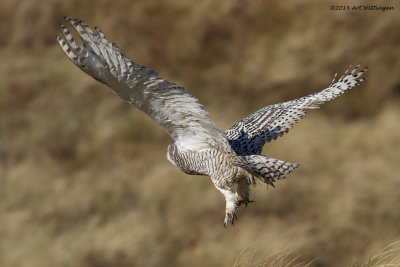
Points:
(230, 158)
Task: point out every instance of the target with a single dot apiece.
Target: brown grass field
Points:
(84, 180)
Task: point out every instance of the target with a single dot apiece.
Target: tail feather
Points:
(267, 169)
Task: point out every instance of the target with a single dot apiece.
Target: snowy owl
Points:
(232, 158)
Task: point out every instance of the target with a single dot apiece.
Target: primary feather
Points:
(171, 106)
(199, 147)
(249, 135)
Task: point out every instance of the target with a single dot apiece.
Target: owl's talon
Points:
(245, 202)
(230, 217)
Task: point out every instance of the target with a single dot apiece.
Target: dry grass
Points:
(84, 179)
(386, 257)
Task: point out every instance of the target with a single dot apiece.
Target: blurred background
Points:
(84, 180)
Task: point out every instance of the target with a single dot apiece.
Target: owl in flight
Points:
(232, 158)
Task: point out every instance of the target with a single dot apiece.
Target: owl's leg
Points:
(232, 204)
(243, 191)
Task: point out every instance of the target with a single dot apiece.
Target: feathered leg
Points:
(243, 192)
(232, 204)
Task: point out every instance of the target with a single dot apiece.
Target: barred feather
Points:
(249, 135)
(171, 106)
(267, 169)
(199, 147)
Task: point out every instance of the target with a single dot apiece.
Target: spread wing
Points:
(249, 135)
(172, 107)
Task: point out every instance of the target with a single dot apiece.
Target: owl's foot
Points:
(245, 201)
(230, 217)
(232, 205)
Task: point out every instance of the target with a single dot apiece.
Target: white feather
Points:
(172, 107)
